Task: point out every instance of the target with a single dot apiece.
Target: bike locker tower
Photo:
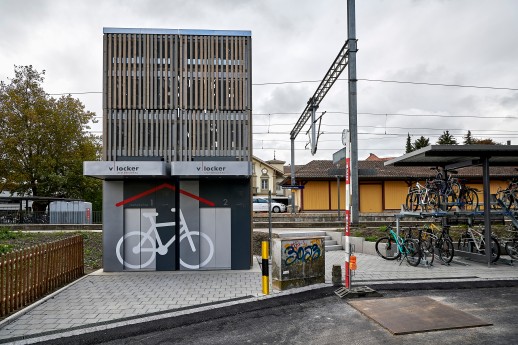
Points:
(177, 135)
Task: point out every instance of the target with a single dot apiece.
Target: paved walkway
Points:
(105, 300)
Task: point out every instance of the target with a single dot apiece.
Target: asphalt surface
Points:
(114, 306)
(321, 317)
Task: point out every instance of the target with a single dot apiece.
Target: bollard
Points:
(336, 275)
(266, 275)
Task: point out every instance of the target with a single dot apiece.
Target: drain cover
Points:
(357, 291)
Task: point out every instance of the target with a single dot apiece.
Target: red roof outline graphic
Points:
(162, 186)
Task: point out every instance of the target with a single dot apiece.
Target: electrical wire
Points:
(340, 79)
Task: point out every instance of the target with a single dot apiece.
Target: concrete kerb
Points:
(146, 324)
(44, 299)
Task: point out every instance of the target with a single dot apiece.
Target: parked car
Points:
(261, 205)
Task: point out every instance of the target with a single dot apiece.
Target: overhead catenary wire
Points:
(339, 79)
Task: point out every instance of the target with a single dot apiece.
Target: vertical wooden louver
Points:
(177, 95)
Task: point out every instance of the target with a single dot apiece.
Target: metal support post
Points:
(353, 107)
(292, 170)
(487, 208)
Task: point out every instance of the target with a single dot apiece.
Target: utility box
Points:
(298, 261)
(70, 212)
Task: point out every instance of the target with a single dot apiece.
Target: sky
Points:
(469, 47)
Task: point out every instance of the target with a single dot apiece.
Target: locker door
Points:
(222, 238)
(215, 238)
(139, 243)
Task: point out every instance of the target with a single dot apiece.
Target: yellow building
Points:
(382, 188)
(267, 176)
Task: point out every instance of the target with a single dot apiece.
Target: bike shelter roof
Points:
(458, 156)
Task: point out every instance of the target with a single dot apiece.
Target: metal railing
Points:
(22, 217)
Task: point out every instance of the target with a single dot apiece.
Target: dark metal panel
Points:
(113, 225)
(233, 194)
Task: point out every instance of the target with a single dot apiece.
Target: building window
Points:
(264, 183)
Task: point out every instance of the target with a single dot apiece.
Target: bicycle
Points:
(394, 246)
(148, 241)
(511, 245)
(426, 248)
(440, 240)
(421, 196)
(509, 195)
(473, 241)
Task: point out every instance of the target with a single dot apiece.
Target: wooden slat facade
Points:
(180, 97)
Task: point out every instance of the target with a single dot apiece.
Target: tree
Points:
(447, 139)
(486, 141)
(408, 147)
(421, 142)
(44, 140)
(468, 140)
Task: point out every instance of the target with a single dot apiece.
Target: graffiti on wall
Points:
(150, 243)
(300, 251)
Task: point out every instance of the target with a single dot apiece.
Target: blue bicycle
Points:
(394, 247)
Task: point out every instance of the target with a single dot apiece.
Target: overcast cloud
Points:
(466, 42)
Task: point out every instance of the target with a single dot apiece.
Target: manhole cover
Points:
(403, 315)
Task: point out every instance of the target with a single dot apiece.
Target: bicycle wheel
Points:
(427, 251)
(386, 247)
(495, 249)
(469, 200)
(433, 202)
(412, 201)
(445, 250)
(412, 252)
(206, 250)
(140, 251)
(511, 248)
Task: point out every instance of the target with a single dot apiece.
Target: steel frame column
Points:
(487, 207)
(353, 107)
(292, 171)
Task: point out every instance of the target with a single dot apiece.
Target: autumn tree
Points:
(469, 140)
(484, 141)
(447, 139)
(44, 140)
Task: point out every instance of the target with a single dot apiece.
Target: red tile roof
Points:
(376, 170)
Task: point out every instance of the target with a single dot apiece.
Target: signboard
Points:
(292, 187)
(339, 155)
(211, 168)
(123, 168)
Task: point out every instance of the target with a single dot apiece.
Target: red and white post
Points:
(347, 213)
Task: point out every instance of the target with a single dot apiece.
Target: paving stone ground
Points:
(103, 300)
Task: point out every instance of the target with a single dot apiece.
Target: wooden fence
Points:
(29, 274)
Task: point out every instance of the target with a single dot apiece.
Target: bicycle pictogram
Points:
(150, 242)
